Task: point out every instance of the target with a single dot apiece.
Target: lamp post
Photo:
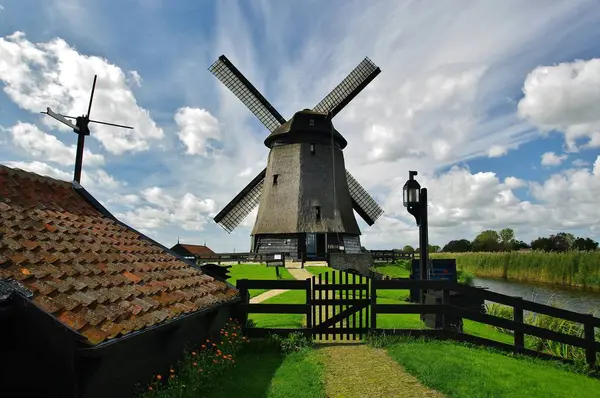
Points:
(415, 201)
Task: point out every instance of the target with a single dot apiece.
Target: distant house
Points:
(191, 252)
(89, 306)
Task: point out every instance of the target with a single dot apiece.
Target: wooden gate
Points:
(340, 307)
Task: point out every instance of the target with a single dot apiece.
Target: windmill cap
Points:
(306, 126)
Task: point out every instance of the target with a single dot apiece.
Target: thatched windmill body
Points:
(305, 195)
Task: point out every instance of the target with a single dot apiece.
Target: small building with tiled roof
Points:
(191, 252)
(89, 306)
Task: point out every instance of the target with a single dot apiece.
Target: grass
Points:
(263, 371)
(573, 268)
(459, 370)
(256, 271)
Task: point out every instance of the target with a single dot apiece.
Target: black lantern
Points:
(412, 196)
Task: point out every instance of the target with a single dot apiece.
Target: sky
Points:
(496, 104)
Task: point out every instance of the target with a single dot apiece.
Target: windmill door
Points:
(311, 245)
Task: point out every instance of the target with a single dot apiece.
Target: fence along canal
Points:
(348, 308)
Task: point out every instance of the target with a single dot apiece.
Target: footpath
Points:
(357, 370)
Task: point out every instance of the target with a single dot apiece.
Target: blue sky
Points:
(496, 104)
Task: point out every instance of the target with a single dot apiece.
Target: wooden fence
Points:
(351, 306)
(391, 255)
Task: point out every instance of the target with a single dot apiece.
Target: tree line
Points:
(504, 240)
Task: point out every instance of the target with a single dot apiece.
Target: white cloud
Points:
(98, 180)
(552, 159)
(160, 209)
(497, 151)
(461, 204)
(45, 146)
(565, 97)
(53, 74)
(196, 128)
(580, 163)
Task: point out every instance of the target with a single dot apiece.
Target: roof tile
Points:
(93, 274)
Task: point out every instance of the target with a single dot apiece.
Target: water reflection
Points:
(577, 300)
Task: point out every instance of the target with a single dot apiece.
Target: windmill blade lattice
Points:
(233, 79)
(238, 209)
(366, 205)
(349, 88)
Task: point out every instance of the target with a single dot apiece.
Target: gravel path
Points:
(297, 273)
(353, 370)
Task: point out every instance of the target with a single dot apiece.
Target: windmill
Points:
(305, 195)
(81, 129)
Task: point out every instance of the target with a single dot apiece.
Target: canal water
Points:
(577, 300)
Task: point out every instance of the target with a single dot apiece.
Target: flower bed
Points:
(196, 372)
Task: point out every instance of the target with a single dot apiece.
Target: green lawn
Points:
(466, 371)
(256, 271)
(262, 371)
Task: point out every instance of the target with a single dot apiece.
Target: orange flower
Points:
(231, 319)
(172, 370)
(214, 345)
(150, 388)
(207, 340)
(158, 377)
(194, 353)
(235, 334)
(203, 346)
(195, 364)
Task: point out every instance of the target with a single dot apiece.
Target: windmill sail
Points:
(349, 88)
(233, 79)
(362, 202)
(240, 206)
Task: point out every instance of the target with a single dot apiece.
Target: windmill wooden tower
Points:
(305, 195)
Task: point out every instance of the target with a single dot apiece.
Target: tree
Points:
(458, 246)
(519, 244)
(544, 244)
(487, 241)
(561, 242)
(408, 249)
(433, 248)
(585, 244)
(507, 238)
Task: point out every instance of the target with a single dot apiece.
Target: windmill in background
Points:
(81, 129)
(305, 195)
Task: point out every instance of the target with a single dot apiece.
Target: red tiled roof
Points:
(197, 250)
(94, 275)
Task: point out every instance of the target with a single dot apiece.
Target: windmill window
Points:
(275, 177)
(318, 213)
(312, 149)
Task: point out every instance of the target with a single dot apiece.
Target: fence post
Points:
(373, 305)
(519, 336)
(308, 308)
(445, 304)
(242, 313)
(590, 351)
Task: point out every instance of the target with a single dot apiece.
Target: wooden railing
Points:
(517, 325)
(231, 258)
(391, 255)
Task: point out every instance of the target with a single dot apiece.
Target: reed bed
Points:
(572, 268)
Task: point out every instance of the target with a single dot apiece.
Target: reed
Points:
(572, 268)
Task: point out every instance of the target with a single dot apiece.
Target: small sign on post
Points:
(275, 260)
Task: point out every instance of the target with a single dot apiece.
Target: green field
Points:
(574, 268)
(255, 271)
